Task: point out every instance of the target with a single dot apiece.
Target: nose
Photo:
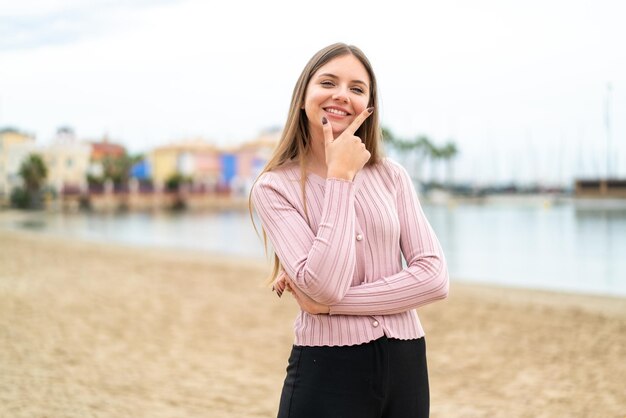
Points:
(341, 96)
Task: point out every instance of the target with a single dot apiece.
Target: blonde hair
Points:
(295, 141)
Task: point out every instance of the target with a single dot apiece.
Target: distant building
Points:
(15, 146)
(106, 148)
(210, 168)
(246, 162)
(141, 170)
(100, 150)
(67, 160)
(600, 188)
(197, 159)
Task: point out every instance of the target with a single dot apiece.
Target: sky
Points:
(524, 89)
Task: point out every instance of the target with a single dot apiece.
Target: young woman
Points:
(340, 217)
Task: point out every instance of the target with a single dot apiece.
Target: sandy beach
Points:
(94, 330)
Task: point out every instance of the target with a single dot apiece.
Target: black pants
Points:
(385, 378)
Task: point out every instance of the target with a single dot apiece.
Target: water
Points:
(228, 233)
(558, 248)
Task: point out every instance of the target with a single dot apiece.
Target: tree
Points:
(412, 152)
(117, 169)
(448, 152)
(33, 172)
(174, 184)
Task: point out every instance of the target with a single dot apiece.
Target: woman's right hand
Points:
(279, 284)
(346, 154)
(307, 304)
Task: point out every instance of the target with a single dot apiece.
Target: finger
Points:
(328, 131)
(278, 285)
(356, 123)
(288, 281)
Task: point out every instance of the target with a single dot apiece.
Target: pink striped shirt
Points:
(348, 254)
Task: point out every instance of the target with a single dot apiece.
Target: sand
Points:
(94, 330)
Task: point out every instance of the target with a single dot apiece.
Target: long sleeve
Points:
(322, 264)
(425, 278)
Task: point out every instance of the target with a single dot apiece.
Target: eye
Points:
(358, 90)
(327, 83)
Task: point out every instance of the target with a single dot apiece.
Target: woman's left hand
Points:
(307, 304)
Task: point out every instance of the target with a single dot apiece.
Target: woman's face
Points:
(339, 90)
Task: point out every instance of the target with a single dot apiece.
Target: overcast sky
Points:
(514, 84)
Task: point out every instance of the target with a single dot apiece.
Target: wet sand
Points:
(94, 330)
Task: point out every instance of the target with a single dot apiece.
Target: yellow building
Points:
(196, 159)
(163, 163)
(15, 146)
(67, 160)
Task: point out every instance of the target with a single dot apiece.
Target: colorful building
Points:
(210, 168)
(141, 170)
(244, 164)
(70, 161)
(196, 159)
(100, 151)
(67, 160)
(15, 146)
(105, 148)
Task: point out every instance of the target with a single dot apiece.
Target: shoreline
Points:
(103, 204)
(8, 217)
(600, 300)
(92, 329)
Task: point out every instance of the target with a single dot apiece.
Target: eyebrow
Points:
(334, 76)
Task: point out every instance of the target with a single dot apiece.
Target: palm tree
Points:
(33, 172)
(447, 154)
(413, 153)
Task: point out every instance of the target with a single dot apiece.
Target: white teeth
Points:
(336, 112)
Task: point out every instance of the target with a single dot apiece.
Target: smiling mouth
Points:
(337, 112)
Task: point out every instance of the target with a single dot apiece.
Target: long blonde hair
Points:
(295, 141)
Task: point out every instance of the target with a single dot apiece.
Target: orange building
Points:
(101, 150)
(104, 148)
